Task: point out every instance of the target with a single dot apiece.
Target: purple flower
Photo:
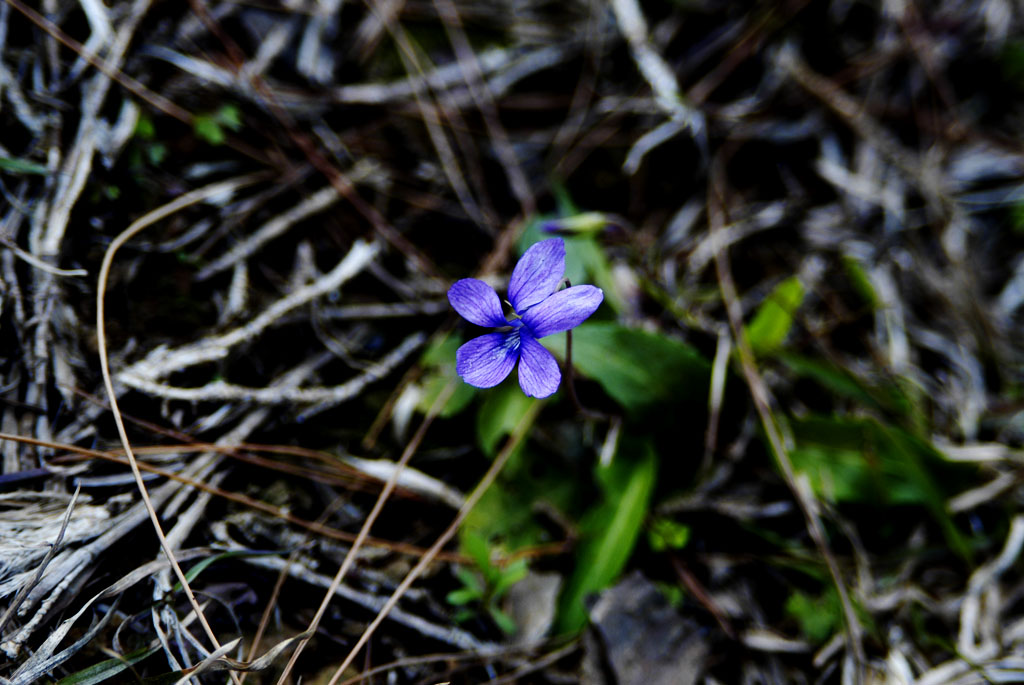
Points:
(538, 311)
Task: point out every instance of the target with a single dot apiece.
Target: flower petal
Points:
(487, 360)
(538, 371)
(537, 274)
(564, 310)
(477, 303)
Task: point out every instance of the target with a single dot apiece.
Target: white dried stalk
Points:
(228, 392)
(100, 33)
(484, 100)
(27, 524)
(271, 44)
(66, 571)
(78, 162)
(410, 479)
(983, 494)
(39, 263)
(503, 67)
(769, 216)
(316, 56)
(433, 117)
(238, 293)
(314, 204)
(381, 310)
(445, 634)
(654, 69)
(9, 87)
(978, 618)
(36, 665)
(161, 361)
(890, 323)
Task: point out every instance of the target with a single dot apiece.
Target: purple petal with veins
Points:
(538, 371)
(564, 310)
(537, 274)
(488, 360)
(477, 303)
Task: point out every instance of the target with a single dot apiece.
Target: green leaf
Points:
(503, 620)
(665, 534)
(144, 127)
(441, 352)
(203, 564)
(584, 223)
(610, 530)
(638, 369)
(502, 410)
(470, 579)
(900, 398)
(209, 129)
(97, 673)
(864, 460)
(860, 281)
(463, 596)
(1011, 58)
(434, 383)
(509, 575)
(464, 614)
(831, 377)
(774, 318)
(157, 152)
(506, 512)
(230, 117)
(439, 363)
(818, 617)
(672, 593)
(22, 166)
(475, 546)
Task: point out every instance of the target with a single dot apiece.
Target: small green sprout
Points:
(483, 587)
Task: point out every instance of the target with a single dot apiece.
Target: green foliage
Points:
(14, 165)
(638, 369)
(860, 282)
(864, 460)
(774, 318)
(484, 586)
(673, 594)
(502, 410)
(438, 370)
(506, 511)
(842, 383)
(818, 617)
(610, 530)
(147, 148)
(1012, 60)
(204, 564)
(1017, 217)
(105, 670)
(664, 533)
(529, 479)
(210, 127)
(584, 223)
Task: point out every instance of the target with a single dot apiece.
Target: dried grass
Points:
(291, 272)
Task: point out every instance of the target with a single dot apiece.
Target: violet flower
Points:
(537, 311)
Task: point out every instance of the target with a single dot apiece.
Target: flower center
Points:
(511, 341)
